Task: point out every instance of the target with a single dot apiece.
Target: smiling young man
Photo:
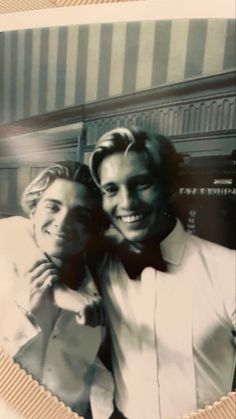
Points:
(170, 296)
(46, 325)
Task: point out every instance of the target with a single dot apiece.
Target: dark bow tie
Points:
(134, 263)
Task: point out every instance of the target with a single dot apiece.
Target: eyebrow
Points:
(55, 201)
(78, 207)
(145, 175)
(135, 178)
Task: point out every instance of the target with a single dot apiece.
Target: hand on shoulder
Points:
(86, 305)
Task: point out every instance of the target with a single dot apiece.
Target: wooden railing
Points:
(194, 112)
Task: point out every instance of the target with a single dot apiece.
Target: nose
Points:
(126, 198)
(62, 220)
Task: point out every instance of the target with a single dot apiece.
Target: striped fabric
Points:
(47, 69)
(13, 6)
(83, 2)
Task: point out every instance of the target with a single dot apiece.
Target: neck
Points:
(71, 270)
(155, 239)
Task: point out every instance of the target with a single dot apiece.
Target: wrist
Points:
(29, 314)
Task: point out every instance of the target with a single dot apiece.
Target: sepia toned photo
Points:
(117, 215)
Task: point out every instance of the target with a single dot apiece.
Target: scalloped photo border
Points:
(26, 397)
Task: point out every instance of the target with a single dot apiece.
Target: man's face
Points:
(133, 198)
(62, 218)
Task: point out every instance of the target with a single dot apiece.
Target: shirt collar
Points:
(172, 247)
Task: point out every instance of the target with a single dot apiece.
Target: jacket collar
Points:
(172, 247)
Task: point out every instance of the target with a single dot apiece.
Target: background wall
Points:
(42, 70)
(61, 88)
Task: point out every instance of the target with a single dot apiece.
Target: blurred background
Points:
(62, 87)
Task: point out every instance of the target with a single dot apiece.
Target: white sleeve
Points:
(16, 328)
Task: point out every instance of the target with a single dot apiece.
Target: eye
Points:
(143, 183)
(52, 207)
(109, 190)
(81, 216)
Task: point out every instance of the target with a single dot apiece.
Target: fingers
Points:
(88, 308)
(46, 279)
(40, 270)
(37, 263)
(49, 281)
(38, 279)
(42, 274)
(93, 314)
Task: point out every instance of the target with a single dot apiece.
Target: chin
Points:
(64, 254)
(135, 237)
(54, 253)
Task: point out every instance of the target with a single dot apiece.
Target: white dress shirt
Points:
(60, 353)
(171, 331)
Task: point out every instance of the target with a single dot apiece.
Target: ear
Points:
(32, 213)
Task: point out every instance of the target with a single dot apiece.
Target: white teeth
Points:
(57, 236)
(132, 218)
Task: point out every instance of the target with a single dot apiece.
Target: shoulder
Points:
(211, 248)
(218, 257)
(12, 230)
(16, 222)
(219, 263)
(16, 219)
(17, 242)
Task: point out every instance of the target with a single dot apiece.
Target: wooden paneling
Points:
(201, 108)
(197, 115)
(8, 189)
(22, 157)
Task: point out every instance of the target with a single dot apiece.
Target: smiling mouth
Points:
(134, 218)
(59, 237)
